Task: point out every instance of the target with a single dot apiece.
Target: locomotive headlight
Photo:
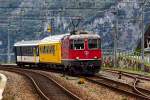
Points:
(95, 57)
(77, 58)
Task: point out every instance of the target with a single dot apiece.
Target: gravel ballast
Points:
(19, 87)
(88, 90)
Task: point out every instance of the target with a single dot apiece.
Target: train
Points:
(79, 52)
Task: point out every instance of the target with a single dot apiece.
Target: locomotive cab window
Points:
(94, 43)
(71, 44)
(77, 44)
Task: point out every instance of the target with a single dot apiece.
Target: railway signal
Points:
(49, 29)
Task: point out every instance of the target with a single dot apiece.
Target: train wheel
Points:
(22, 66)
(64, 71)
(69, 70)
(19, 65)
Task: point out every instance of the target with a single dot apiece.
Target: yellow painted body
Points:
(50, 52)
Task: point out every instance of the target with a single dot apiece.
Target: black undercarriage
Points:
(83, 66)
(71, 66)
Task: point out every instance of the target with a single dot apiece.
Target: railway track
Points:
(128, 74)
(108, 82)
(47, 88)
(120, 86)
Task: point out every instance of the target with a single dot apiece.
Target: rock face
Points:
(28, 20)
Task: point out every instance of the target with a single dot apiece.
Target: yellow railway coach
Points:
(50, 52)
(50, 49)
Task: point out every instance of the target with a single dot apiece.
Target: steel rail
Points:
(43, 96)
(39, 90)
(66, 90)
(137, 90)
(136, 77)
(128, 74)
(120, 86)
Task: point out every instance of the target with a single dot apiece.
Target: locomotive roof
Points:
(27, 43)
(54, 38)
(92, 36)
(57, 38)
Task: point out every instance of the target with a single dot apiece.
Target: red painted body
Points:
(85, 54)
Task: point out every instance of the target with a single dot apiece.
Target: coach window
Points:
(93, 43)
(37, 51)
(79, 44)
(44, 50)
(41, 49)
(52, 49)
(23, 51)
(30, 51)
(47, 49)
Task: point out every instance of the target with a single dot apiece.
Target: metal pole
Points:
(142, 41)
(8, 45)
(46, 15)
(115, 45)
(115, 40)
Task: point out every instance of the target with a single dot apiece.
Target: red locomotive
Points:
(82, 52)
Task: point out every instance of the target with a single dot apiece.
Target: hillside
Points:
(28, 20)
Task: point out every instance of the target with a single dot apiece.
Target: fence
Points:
(126, 60)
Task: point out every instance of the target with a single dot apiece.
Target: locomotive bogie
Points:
(84, 66)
